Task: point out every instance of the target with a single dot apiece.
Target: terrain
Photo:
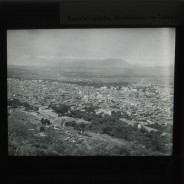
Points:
(94, 73)
(25, 139)
(83, 132)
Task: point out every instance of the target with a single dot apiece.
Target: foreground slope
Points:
(26, 139)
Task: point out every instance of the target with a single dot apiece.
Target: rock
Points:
(56, 128)
(41, 134)
(66, 138)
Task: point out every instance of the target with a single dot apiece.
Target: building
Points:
(104, 111)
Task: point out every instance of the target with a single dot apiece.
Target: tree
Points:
(10, 102)
(26, 104)
(45, 121)
(26, 108)
(36, 108)
(106, 130)
(61, 109)
(50, 105)
(42, 121)
(42, 129)
(15, 103)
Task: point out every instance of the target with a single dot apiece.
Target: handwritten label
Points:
(121, 13)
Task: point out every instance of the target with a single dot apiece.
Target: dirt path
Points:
(90, 135)
(106, 138)
(88, 146)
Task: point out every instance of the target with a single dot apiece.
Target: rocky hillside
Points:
(27, 138)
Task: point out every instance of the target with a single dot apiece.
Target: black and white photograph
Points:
(90, 92)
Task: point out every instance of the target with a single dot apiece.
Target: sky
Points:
(139, 46)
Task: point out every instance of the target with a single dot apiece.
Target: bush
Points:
(61, 109)
(45, 121)
(10, 102)
(26, 104)
(42, 129)
(15, 102)
(36, 108)
(72, 124)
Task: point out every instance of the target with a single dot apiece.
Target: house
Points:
(150, 129)
(127, 121)
(134, 90)
(104, 111)
(139, 126)
(150, 122)
(104, 87)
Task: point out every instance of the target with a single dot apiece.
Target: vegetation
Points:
(14, 103)
(118, 85)
(112, 126)
(45, 121)
(61, 109)
(100, 123)
(164, 128)
(24, 140)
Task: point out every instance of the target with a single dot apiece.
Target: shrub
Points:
(42, 129)
(61, 109)
(45, 121)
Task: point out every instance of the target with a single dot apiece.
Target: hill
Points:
(91, 63)
(102, 67)
(25, 138)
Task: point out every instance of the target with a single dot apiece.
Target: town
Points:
(91, 92)
(141, 103)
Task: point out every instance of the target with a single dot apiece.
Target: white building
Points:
(104, 87)
(134, 90)
(104, 111)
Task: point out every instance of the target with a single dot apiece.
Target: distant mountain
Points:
(155, 70)
(108, 67)
(91, 63)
